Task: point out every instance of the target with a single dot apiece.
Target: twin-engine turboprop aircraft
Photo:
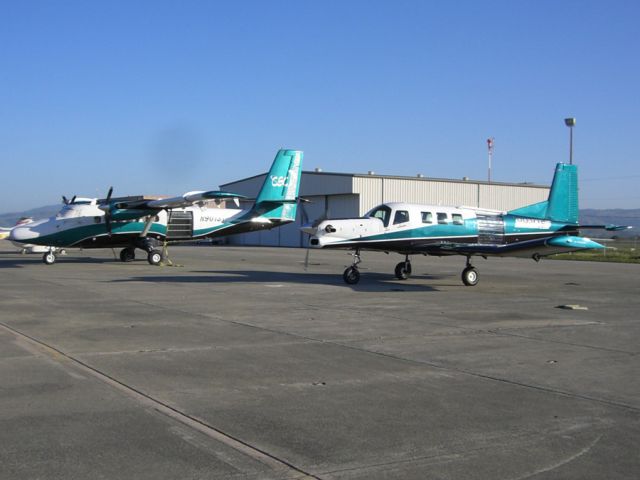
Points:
(533, 231)
(132, 223)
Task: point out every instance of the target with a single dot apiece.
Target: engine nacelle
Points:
(336, 231)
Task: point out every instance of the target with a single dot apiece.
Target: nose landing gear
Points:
(351, 274)
(49, 258)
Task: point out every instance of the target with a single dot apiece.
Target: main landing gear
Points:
(128, 254)
(470, 274)
(154, 255)
(403, 269)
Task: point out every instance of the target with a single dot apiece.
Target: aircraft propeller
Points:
(107, 211)
(66, 201)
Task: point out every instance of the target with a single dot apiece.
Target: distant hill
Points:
(617, 216)
(10, 219)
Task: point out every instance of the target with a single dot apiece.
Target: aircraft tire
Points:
(403, 270)
(470, 277)
(127, 255)
(351, 276)
(155, 257)
(49, 258)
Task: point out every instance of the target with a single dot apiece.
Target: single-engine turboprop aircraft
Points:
(146, 224)
(533, 231)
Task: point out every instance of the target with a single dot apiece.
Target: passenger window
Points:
(457, 219)
(427, 217)
(97, 219)
(401, 216)
(442, 217)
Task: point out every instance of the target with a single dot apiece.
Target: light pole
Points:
(570, 122)
(490, 149)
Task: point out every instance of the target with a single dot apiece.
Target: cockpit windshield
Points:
(66, 212)
(382, 212)
(75, 208)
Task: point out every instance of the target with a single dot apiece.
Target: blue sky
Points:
(163, 97)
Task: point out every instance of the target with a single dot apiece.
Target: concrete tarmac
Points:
(240, 364)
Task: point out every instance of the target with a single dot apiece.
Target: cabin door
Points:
(490, 229)
(180, 225)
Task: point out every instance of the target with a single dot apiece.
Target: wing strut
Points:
(147, 226)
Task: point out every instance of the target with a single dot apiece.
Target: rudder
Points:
(277, 199)
(562, 204)
(563, 197)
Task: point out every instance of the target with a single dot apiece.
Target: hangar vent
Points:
(352, 195)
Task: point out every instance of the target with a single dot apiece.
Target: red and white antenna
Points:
(490, 144)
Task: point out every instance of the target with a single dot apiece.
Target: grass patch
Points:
(616, 255)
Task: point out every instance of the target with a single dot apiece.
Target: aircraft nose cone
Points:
(22, 234)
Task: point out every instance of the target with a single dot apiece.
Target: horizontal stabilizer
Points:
(608, 228)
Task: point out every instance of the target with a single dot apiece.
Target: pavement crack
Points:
(278, 465)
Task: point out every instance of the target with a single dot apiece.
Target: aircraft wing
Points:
(178, 202)
(453, 248)
(563, 242)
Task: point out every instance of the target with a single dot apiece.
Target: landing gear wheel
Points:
(470, 276)
(127, 255)
(351, 275)
(49, 258)
(154, 257)
(403, 270)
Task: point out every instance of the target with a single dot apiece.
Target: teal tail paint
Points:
(562, 204)
(278, 197)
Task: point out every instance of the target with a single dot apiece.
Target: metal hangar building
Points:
(344, 195)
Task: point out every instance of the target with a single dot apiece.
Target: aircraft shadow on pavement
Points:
(22, 260)
(370, 282)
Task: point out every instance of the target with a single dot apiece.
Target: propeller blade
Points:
(304, 216)
(65, 200)
(73, 199)
(107, 212)
(306, 259)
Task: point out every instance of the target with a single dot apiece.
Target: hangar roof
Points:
(395, 177)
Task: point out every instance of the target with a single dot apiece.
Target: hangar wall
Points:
(350, 195)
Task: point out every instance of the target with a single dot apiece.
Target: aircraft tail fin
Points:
(277, 199)
(562, 204)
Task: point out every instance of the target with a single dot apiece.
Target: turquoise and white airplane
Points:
(132, 223)
(534, 231)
